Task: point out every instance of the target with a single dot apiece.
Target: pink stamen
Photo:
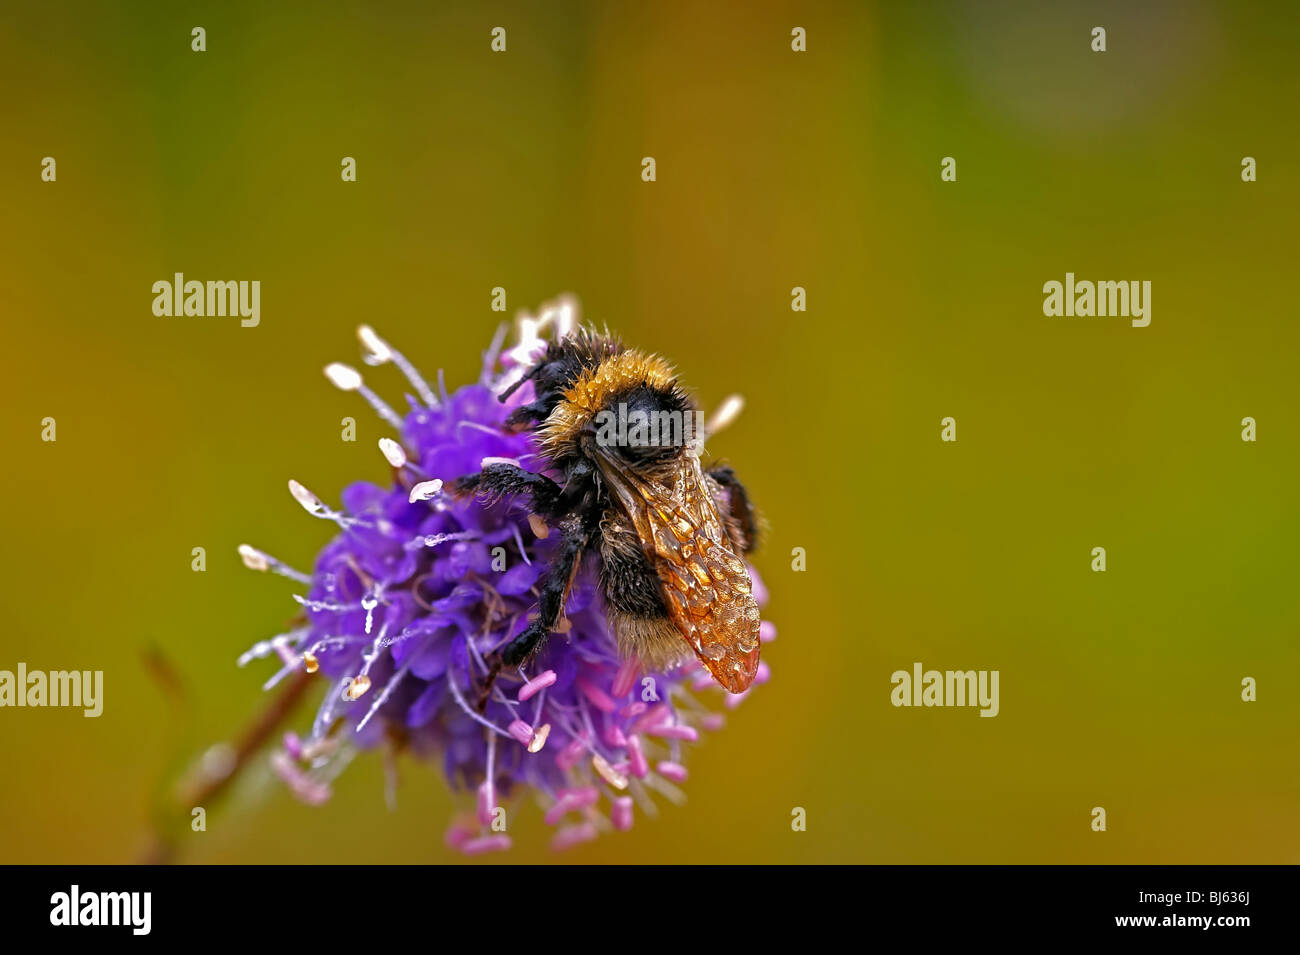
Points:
(766, 631)
(537, 683)
(636, 758)
(293, 744)
(633, 710)
(300, 784)
(570, 800)
(487, 802)
(763, 674)
(457, 835)
(733, 700)
(583, 795)
(521, 731)
(690, 666)
(614, 736)
(569, 756)
(712, 722)
(674, 772)
(598, 697)
(675, 731)
(571, 836)
(483, 844)
(653, 717)
(621, 814)
(702, 681)
(625, 677)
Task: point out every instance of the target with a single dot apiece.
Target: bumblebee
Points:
(670, 535)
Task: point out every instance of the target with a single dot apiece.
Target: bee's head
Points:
(628, 407)
(645, 426)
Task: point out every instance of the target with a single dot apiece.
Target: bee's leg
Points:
(555, 589)
(743, 520)
(525, 415)
(498, 480)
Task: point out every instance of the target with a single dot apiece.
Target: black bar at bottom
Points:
(367, 905)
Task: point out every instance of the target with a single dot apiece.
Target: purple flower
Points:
(418, 587)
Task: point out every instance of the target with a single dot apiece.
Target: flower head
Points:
(418, 588)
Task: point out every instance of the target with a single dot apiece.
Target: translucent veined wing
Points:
(706, 586)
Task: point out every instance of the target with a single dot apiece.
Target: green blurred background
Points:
(775, 169)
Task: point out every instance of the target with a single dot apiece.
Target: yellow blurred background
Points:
(775, 169)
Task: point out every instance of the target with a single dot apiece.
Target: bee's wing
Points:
(705, 585)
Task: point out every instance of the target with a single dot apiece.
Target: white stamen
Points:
(383, 697)
(460, 701)
(664, 788)
(343, 377)
(318, 750)
(376, 346)
(493, 353)
(356, 688)
(280, 674)
(264, 648)
(561, 314)
(529, 338)
(368, 603)
(488, 461)
(433, 540)
(725, 414)
(309, 501)
(349, 379)
(253, 559)
(335, 767)
(393, 452)
(381, 351)
(519, 541)
(495, 432)
(608, 773)
(425, 490)
(539, 738)
(328, 606)
(523, 353)
(325, 714)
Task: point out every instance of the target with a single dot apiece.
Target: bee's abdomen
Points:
(629, 582)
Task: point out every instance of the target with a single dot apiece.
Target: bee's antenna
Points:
(532, 373)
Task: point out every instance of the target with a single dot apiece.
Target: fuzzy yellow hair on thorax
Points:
(624, 371)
